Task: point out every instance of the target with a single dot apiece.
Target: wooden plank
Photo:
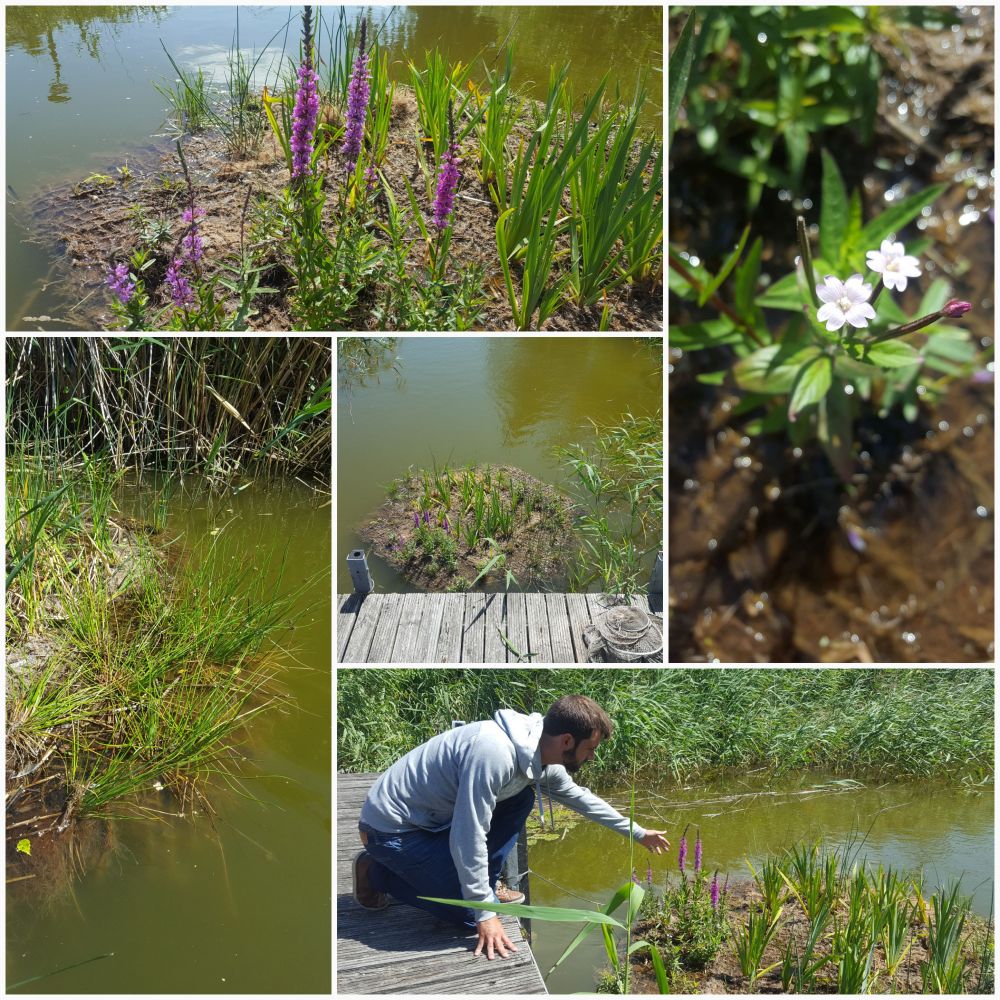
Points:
(562, 643)
(539, 641)
(495, 651)
(385, 631)
(579, 619)
(365, 623)
(517, 627)
(430, 626)
(474, 630)
(408, 629)
(348, 606)
(449, 641)
(372, 946)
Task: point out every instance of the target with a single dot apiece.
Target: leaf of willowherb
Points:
(708, 333)
(833, 214)
(893, 219)
(811, 385)
(834, 430)
(772, 370)
(892, 354)
(747, 275)
(681, 62)
(709, 290)
(852, 237)
(934, 298)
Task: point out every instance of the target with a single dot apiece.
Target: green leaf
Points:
(713, 378)
(730, 263)
(889, 354)
(895, 218)
(24, 846)
(555, 913)
(828, 20)
(934, 298)
(834, 430)
(681, 62)
(773, 369)
(811, 385)
(747, 276)
(852, 237)
(797, 142)
(709, 333)
(833, 217)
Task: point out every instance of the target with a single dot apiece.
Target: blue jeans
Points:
(419, 863)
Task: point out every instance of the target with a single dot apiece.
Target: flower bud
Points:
(955, 308)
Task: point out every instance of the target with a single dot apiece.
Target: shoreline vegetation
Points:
(687, 723)
(318, 204)
(135, 661)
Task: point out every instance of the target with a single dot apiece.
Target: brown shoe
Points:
(505, 895)
(364, 894)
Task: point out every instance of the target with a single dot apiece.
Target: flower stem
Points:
(912, 327)
(715, 300)
(878, 291)
(807, 261)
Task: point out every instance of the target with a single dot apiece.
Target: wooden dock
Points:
(465, 628)
(403, 950)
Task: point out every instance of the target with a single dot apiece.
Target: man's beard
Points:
(570, 762)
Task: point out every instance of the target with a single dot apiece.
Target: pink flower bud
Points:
(955, 308)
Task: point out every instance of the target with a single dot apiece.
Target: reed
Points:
(688, 722)
(212, 404)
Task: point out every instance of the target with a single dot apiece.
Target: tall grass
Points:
(212, 404)
(684, 722)
(145, 674)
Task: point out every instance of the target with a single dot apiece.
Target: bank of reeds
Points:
(214, 405)
(683, 722)
(131, 665)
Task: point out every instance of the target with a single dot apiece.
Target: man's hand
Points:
(655, 842)
(492, 937)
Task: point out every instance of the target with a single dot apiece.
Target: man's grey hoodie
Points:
(456, 779)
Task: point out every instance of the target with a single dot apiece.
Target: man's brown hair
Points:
(577, 715)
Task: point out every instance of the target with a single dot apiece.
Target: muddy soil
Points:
(535, 551)
(723, 974)
(98, 223)
(772, 558)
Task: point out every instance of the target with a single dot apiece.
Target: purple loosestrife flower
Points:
(180, 288)
(306, 110)
(697, 854)
(635, 877)
(714, 891)
(427, 517)
(371, 178)
(118, 282)
(446, 525)
(682, 853)
(649, 877)
(416, 519)
(357, 104)
(444, 196)
(192, 245)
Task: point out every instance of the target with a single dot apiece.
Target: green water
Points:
(508, 400)
(244, 907)
(80, 95)
(928, 826)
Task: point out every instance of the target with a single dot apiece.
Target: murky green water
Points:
(80, 93)
(244, 907)
(929, 826)
(508, 400)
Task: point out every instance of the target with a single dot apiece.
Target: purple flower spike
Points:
(714, 891)
(447, 526)
(682, 854)
(118, 282)
(649, 877)
(416, 520)
(191, 244)
(954, 308)
(697, 854)
(357, 104)
(306, 110)
(427, 517)
(635, 877)
(179, 286)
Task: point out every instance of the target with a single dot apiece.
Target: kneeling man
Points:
(442, 819)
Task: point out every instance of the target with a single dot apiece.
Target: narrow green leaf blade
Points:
(681, 62)
(893, 219)
(833, 216)
(728, 265)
